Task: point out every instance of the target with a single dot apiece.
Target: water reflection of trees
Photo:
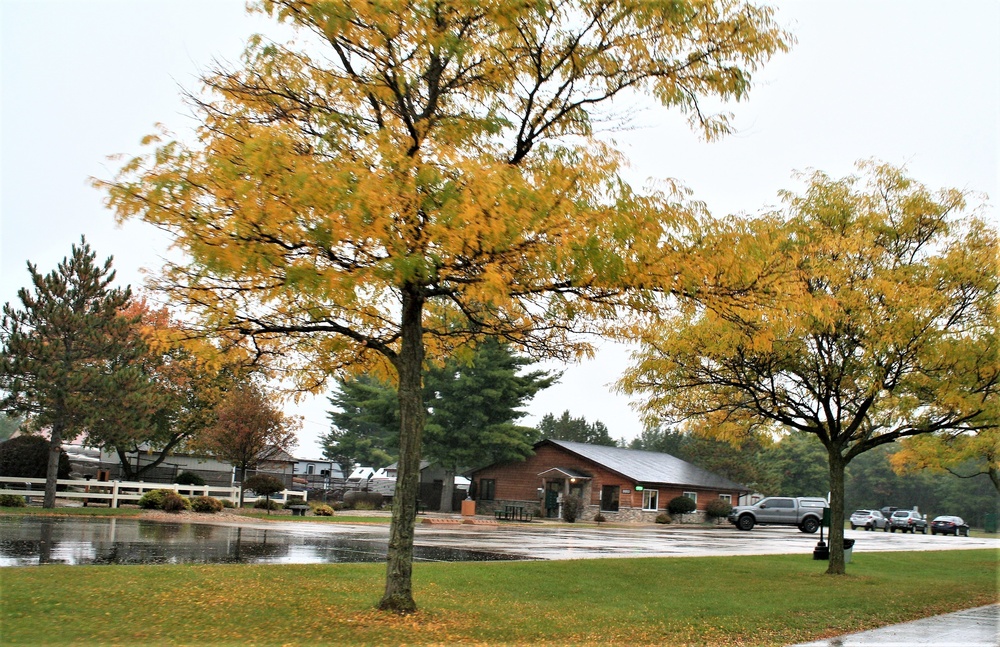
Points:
(139, 541)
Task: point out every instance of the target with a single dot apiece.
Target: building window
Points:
(692, 495)
(728, 498)
(650, 499)
(487, 489)
(310, 469)
(609, 498)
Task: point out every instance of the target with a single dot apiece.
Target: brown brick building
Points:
(623, 484)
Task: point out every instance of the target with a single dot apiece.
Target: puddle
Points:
(28, 541)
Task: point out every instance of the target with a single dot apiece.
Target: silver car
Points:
(868, 519)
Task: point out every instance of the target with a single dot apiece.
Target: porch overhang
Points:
(564, 473)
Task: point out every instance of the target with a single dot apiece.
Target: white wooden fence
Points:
(115, 492)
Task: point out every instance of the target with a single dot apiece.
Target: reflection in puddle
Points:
(27, 541)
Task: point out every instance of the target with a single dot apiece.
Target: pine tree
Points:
(566, 427)
(67, 354)
(474, 407)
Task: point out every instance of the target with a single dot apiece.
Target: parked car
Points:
(907, 521)
(804, 512)
(948, 525)
(868, 519)
(887, 511)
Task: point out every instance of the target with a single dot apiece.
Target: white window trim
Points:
(645, 500)
(691, 495)
(728, 498)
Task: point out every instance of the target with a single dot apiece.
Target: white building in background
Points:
(317, 472)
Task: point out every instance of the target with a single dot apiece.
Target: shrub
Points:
(189, 478)
(266, 504)
(363, 500)
(717, 509)
(263, 485)
(323, 511)
(599, 518)
(12, 501)
(571, 508)
(28, 456)
(206, 504)
(681, 505)
(294, 501)
(228, 503)
(173, 502)
(663, 517)
(337, 506)
(153, 500)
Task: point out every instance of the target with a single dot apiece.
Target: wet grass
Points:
(758, 600)
(100, 511)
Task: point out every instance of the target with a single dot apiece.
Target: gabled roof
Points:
(647, 467)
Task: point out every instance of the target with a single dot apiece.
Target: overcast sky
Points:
(907, 82)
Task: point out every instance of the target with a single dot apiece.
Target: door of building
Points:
(552, 490)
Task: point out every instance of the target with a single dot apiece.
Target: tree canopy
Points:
(249, 429)
(185, 381)
(364, 423)
(68, 358)
(885, 329)
(472, 404)
(566, 427)
(414, 175)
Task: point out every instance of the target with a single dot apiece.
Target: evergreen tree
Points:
(9, 424)
(67, 356)
(364, 424)
(473, 409)
(577, 430)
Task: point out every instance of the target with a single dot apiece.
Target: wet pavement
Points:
(978, 627)
(32, 541)
(318, 542)
(543, 541)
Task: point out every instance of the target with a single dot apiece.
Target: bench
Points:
(513, 513)
(298, 510)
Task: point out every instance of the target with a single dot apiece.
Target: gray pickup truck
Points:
(804, 512)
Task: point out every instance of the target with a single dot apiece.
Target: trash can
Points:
(990, 522)
(468, 508)
(848, 550)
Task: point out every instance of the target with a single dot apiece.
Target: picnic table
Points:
(513, 513)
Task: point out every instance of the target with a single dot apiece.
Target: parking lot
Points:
(550, 541)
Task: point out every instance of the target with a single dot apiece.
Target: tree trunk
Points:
(836, 539)
(128, 474)
(243, 479)
(447, 491)
(52, 469)
(409, 364)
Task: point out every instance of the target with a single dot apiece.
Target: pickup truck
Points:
(804, 512)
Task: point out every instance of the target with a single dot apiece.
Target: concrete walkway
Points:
(978, 627)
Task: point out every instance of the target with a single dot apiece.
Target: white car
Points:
(868, 519)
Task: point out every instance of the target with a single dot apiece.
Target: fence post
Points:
(114, 494)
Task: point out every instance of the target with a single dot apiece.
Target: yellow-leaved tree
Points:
(959, 453)
(886, 328)
(413, 175)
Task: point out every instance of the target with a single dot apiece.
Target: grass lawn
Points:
(97, 511)
(760, 600)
